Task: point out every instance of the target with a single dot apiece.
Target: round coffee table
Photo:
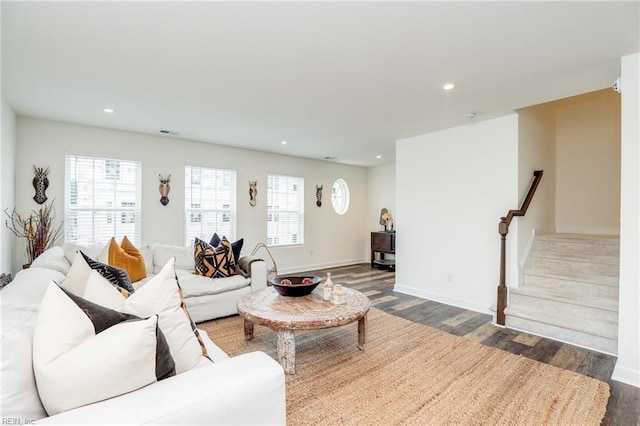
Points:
(312, 312)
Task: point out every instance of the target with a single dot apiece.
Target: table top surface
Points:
(267, 307)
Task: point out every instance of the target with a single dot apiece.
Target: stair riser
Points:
(597, 343)
(600, 290)
(574, 266)
(577, 248)
(610, 314)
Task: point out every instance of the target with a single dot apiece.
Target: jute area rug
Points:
(413, 374)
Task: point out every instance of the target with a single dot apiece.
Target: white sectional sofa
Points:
(206, 298)
(246, 389)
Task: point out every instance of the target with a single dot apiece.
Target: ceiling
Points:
(333, 79)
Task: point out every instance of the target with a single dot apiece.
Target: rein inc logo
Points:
(16, 421)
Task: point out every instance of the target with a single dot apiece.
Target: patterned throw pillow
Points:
(116, 276)
(236, 245)
(84, 352)
(212, 262)
(126, 256)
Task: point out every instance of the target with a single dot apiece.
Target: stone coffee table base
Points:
(286, 314)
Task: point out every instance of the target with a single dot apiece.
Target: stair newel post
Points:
(503, 229)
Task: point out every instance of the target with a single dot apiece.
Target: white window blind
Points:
(102, 199)
(210, 203)
(285, 210)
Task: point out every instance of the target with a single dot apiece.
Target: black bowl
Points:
(296, 288)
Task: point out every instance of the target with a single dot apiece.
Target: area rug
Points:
(414, 374)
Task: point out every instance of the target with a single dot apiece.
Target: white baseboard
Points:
(460, 303)
(317, 266)
(626, 375)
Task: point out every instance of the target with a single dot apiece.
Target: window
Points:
(102, 199)
(285, 210)
(340, 196)
(210, 203)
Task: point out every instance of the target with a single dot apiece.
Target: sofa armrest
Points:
(256, 268)
(246, 389)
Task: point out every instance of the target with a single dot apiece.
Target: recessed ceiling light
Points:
(448, 86)
(379, 157)
(108, 110)
(284, 142)
(468, 115)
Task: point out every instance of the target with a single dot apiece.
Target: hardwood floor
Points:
(624, 403)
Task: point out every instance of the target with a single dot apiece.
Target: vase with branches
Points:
(39, 229)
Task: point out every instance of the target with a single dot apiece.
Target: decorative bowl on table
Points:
(295, 286)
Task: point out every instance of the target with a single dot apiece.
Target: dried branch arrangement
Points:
(39, 229)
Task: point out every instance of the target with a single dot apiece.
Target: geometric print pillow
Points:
(84, 353)
(116, 276)
(213, 262)
(236, 246)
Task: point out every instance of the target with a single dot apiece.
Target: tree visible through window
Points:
(97, 191)
(210, 203)
(285, 210)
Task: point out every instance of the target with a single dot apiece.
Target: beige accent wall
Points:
(588, 163)
(536, 151)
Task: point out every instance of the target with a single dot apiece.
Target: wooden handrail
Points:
(503, 229)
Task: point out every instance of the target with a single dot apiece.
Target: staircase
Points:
(570, 291)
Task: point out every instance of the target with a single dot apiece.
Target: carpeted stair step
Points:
(596, 334)
(575, 263)
(608, 245)
(575, 304)
(597, 285)
(570, 291)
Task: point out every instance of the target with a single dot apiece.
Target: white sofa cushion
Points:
(183, 257)
(52, 259)
(28, 288)
(95, 251)
(19, 397)
(159, 296)
(199, 285)
(84, 353)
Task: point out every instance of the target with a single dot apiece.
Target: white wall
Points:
(452, 187)
(588, 163)
(330, 239)
(382, 194)
(536, 151)
(628, 364)
(7, 180)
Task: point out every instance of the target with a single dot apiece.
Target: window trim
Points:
(274, 184)
(229, 215)
(114, 212)
(346, 197)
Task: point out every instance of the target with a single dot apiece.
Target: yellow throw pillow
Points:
(127, 257)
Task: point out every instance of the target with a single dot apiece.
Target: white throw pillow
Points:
(84, 353)
(161, 296)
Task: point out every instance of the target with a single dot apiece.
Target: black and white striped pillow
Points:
(116, 276)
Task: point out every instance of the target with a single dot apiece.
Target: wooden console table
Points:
(383, 243)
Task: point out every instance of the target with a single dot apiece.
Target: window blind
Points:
(210, 203)
(285, 210)
(102, 199)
